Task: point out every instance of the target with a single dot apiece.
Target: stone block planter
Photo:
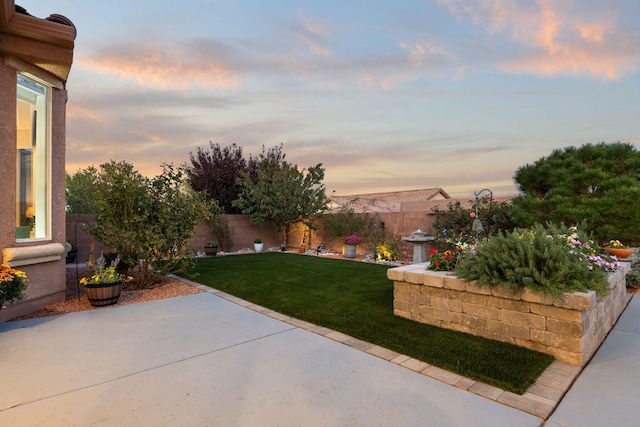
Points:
(570, 328)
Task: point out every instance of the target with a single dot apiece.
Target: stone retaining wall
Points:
(570, 328)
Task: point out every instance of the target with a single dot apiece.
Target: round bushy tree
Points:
(597, 185)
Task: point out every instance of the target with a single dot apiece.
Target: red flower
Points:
(434, 251)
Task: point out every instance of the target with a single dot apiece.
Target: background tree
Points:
(348, 221)
(216, 172)
(81, 191)
(149, 222)
(596, 185)
(282, 193)
(455, 223)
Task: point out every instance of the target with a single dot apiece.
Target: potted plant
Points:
(302, 248)
(617, 249)
(211, 248)
(258, 245)
(351, 242)
(104, 285)
(13, 283)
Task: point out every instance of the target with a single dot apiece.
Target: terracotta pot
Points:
(620, 253)
(302, 249)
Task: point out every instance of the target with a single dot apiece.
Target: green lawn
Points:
(357, 299)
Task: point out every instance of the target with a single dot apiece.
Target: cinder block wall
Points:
(570, 328)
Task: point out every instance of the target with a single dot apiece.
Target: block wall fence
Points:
(244, 232)
(571, 328)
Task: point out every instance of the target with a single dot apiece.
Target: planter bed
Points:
(571, 328)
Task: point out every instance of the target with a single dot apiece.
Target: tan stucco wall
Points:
(47, 282)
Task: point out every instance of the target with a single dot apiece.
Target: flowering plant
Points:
(103, 274)
(586, 249)
(447, 260)
(352, 240)
(12, 284)
(615, 244)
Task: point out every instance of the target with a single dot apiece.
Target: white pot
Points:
(258, 247)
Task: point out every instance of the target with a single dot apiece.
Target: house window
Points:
(32, 159)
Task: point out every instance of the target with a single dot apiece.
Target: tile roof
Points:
(387, 202)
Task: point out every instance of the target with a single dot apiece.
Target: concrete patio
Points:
(212, 359)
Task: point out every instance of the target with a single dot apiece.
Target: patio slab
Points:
(202, 360)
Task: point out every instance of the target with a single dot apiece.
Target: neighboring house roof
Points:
(387, 202)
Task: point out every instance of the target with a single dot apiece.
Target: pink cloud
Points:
(559, 37)
(163, 68)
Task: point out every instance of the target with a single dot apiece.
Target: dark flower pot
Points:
(211, 250)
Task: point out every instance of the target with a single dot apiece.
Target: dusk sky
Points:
(386, 95)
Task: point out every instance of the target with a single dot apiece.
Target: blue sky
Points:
(386, 95)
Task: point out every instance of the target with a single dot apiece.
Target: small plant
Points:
(257, 241)
(104, 274)
(211, 244)
(352, 240)
(615, 244)
(13, 283)
(389, 250)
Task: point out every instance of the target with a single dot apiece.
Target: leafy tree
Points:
(282, 193)
(597, 185)
(148, 221)
(217, 171)
(81, 191)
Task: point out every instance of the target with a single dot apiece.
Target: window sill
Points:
(29, 255)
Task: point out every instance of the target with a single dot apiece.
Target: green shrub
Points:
(548, 259)
(149, 222)
(633, 276)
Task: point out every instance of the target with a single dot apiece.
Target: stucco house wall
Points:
(42, 48)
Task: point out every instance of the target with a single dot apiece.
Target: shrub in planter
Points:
(549, 259)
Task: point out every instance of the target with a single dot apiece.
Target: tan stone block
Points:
(406, 287)
(446, 304)
(422, 299)
(520, 306)
(481, 311)
(433, 316)
(402, 313)
(473, 298)
(531, 345)
(508, 331)
(526, 320)
(453, 282)
(500, 292)
(469, 321)
(438, 292)
(564, 327)
(395, 274)
(556, 312)
(572, 357)
(399, 294)
(536, 297)
(413, 277)
(475, 289)
(433, 280)
(401, 305)
(577, 300)
(551, 339)
(457, 327)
